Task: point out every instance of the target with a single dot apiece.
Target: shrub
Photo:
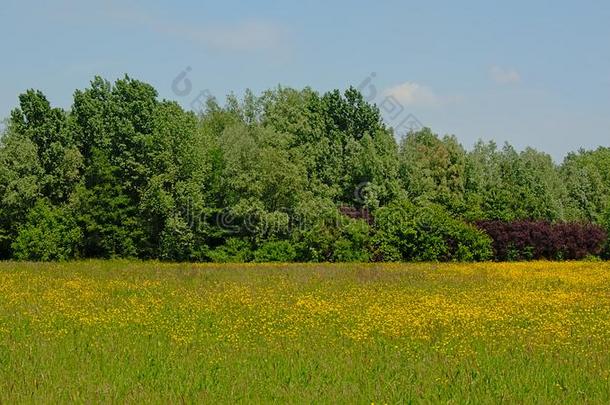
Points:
(50, 233)
(314, 243)
(355, 213)
(426, 233)
(275, 251)
(234, 250)
(353, 245)
(341, 240)
(527, 240)
(453, 239)
(394, 229)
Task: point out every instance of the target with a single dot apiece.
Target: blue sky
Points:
(531, 73)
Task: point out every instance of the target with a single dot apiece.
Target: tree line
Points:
(289, 175)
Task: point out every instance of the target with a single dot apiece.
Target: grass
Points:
(114, 331)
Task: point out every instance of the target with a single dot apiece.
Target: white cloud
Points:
(415, 94)
(502, 75)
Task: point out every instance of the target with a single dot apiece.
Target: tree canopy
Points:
(125, 174)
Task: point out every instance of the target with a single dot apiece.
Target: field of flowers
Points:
(344, 333)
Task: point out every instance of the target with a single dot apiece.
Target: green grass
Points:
(114, 331)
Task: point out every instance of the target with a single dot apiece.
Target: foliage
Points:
(275, 251)
(587, 178)
(50, 233)
(234, 250)
(406, 232)
(433, 169)
(527, 240)
(606, 225)
(319, 172)
(177, 241)
(507, 185)
(353, 243)
(20, 174)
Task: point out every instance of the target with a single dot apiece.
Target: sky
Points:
(533, 73)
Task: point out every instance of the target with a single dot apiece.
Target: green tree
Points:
(265, 178)
(433, 169)
(586, 175)
(508, 185)
(48, 128)
(20, 185)
(113, 128)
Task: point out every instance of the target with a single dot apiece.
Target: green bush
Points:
(314, 244)
(354, 243)
(395, 231)
(50, 233)
(426, 233)
(341, 239)
(275, 251)
(234, 250)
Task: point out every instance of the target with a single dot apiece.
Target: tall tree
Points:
(433, 169)
(586, 175)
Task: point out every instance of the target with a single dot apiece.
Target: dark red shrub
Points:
(357, 213)
(527, 240)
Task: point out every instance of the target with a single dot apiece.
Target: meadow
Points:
(120, 331)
